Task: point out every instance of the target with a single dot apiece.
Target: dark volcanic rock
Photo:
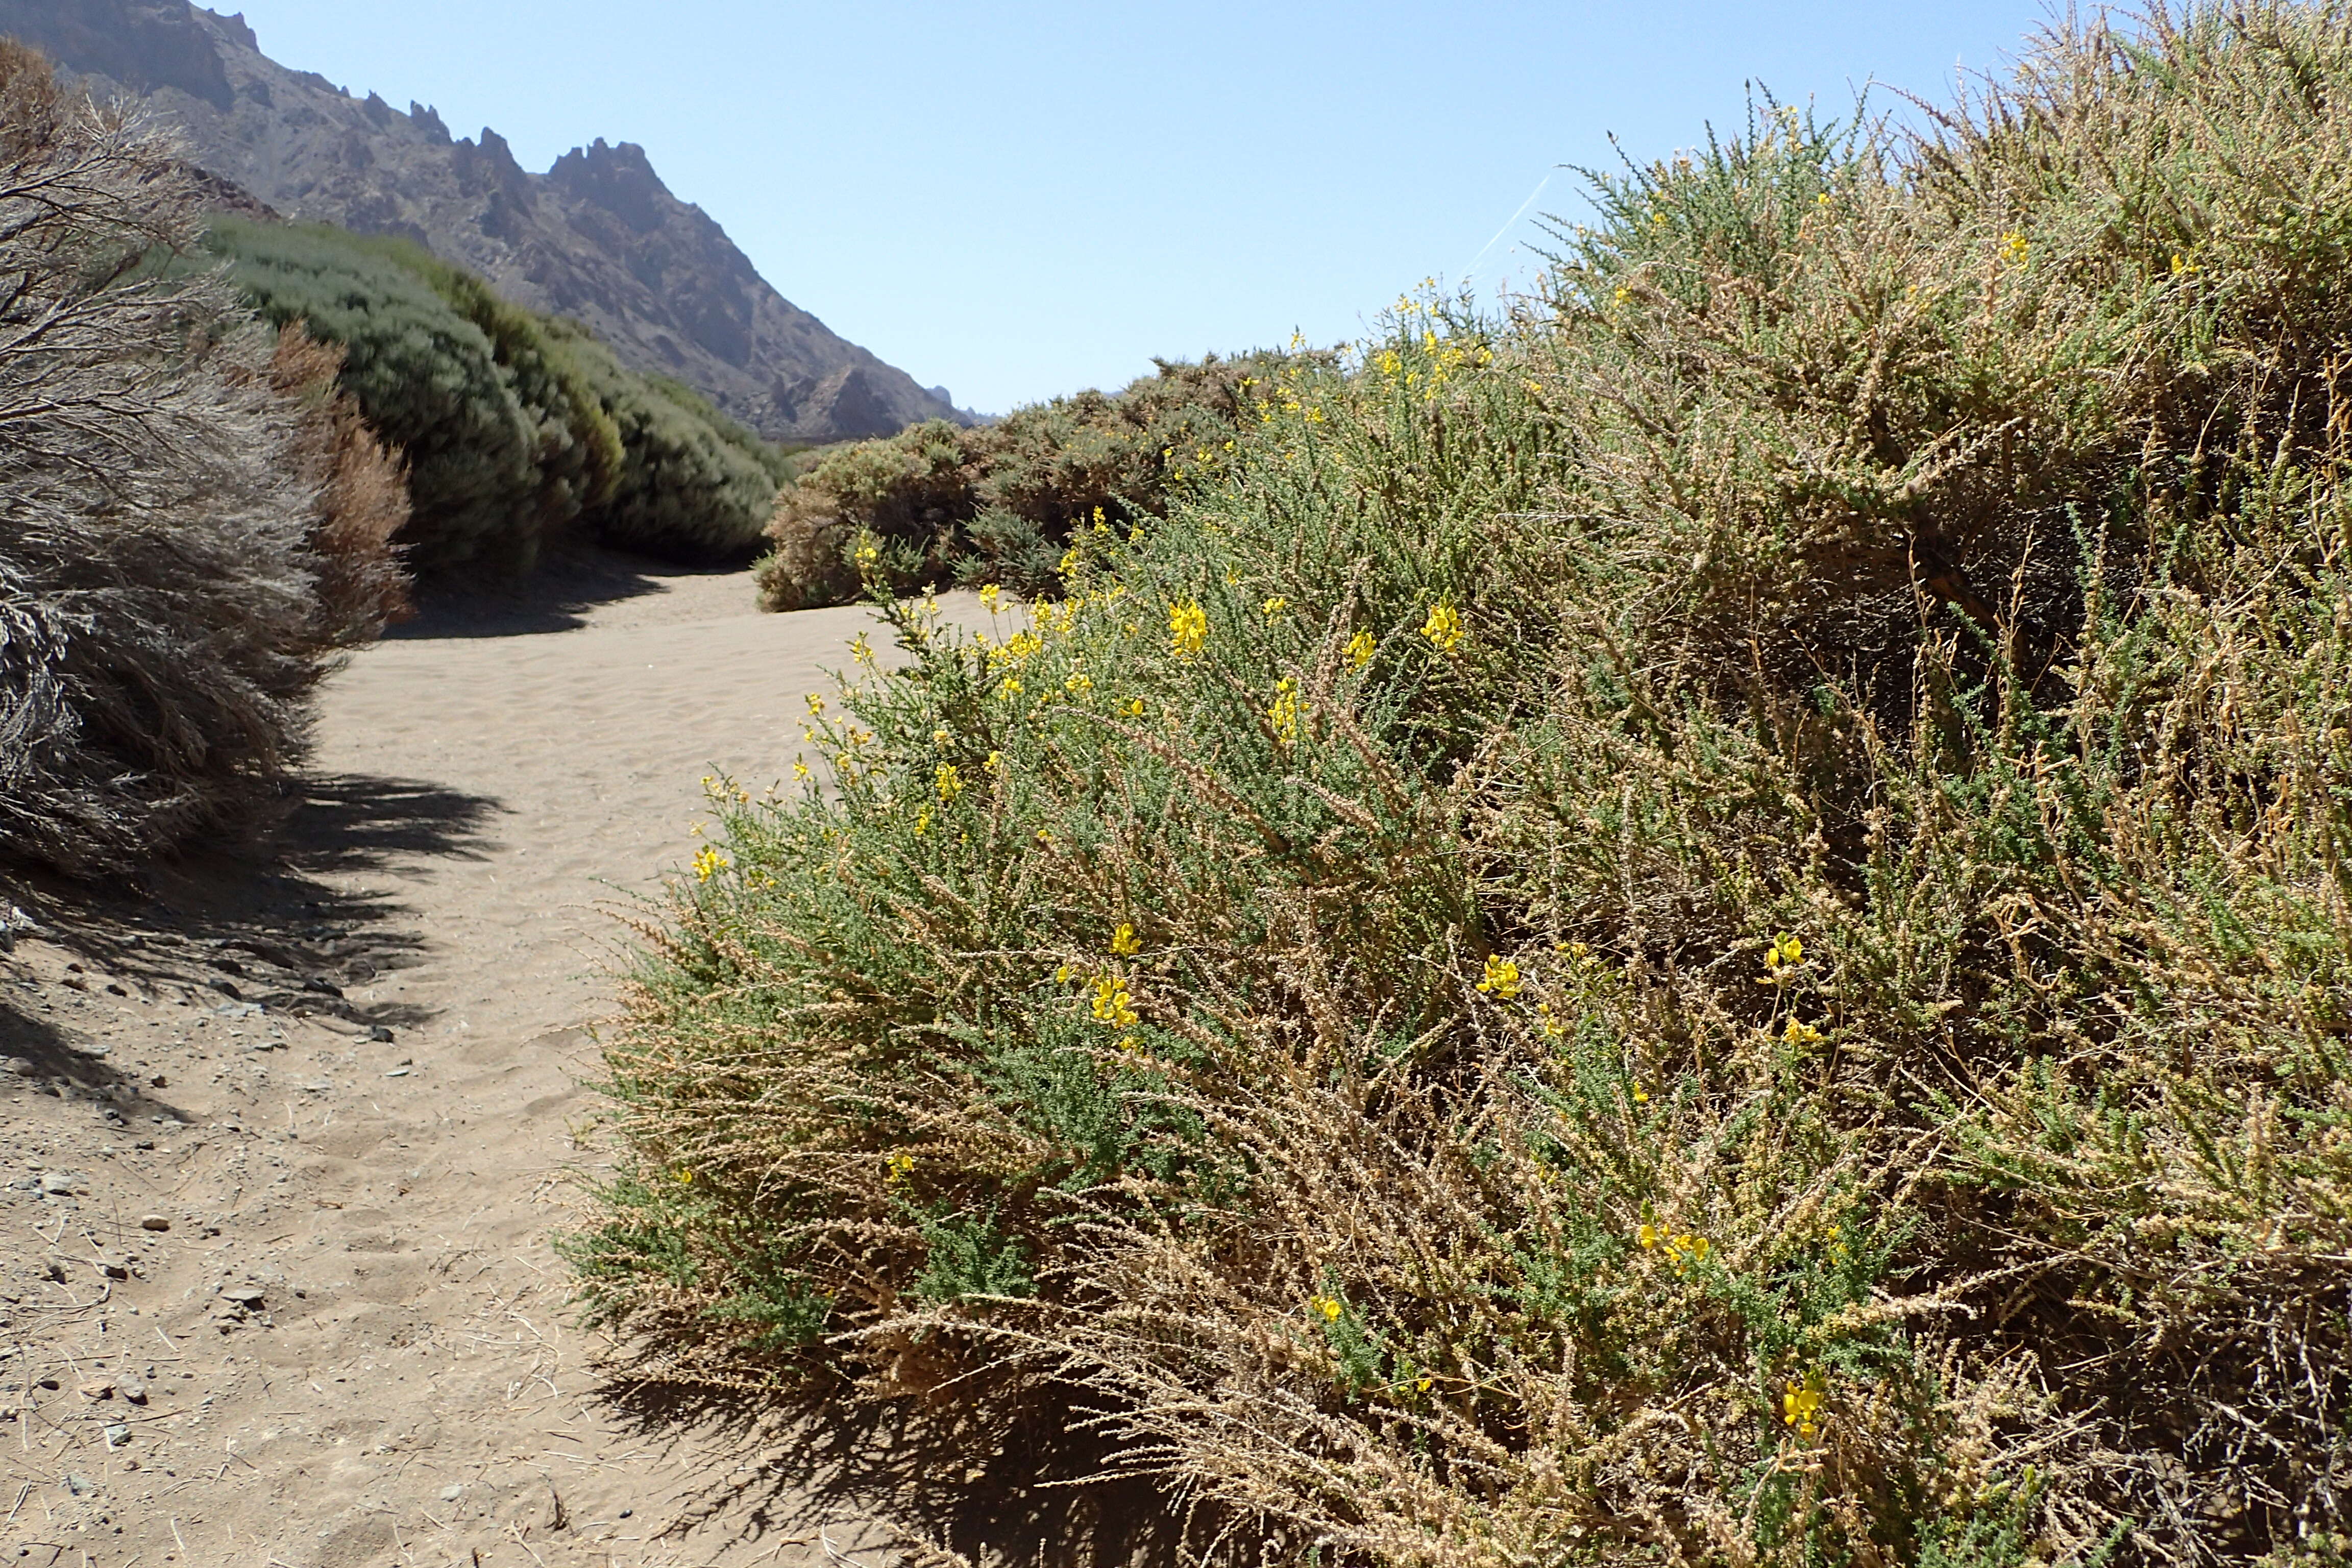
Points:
(598, 237)
(143, 45)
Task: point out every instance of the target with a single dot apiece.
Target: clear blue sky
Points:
(1019, 200)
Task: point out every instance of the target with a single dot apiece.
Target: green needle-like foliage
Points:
(515, 427)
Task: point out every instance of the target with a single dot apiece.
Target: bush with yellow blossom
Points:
(1751, 969)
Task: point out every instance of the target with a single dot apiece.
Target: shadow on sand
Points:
(909, 1477)
(555, 597)
(259, 924)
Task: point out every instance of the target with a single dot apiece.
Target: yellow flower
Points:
(816, 703)
(1009, 688)
(1123, 941)
(1188, 627)
(1112, 1004)
(988, 598)
(1329, 1307)
(1783, 956)
(1552, 1028)
(1078, 683)
(2015, 248)
(860, 650)
(1798, 1033)
(1444, 628)
(867, 556)
(1275, 605)
(898, 1166)
(708, 863)
(1641, 1095)
(800, 769)
(950, 781)
(923, 821)
(1284, 715)
(1134, 709)
(1360, 649)
(996, 762)
(1069, 561)
(1061, 974)
(1502, 978)
(1800, 1404)
(1044, 836)
(685, 1178)
(1651, 1234)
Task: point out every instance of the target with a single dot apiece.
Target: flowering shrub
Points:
(1769, 986)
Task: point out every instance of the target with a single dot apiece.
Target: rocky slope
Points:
(597, 237)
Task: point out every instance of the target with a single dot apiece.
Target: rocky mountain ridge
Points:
(597, 237)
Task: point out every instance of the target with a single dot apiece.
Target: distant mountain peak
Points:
(599, 237)
(619, 180)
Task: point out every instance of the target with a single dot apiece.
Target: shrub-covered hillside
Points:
(1708, 924)
(193, 518)
(998, 503)
(515, 427)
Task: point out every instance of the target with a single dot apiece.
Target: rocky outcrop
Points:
(597, 237)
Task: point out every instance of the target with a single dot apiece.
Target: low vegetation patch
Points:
(1705, 924)
(1000, 502)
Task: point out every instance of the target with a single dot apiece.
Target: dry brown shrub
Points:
(161, 627)
(363, 495)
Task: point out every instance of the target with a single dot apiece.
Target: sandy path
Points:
(350, 1342)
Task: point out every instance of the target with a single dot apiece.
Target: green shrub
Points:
(1708, 924)
(999, 503)
(516, 428)
(693, 485)
(427, 379)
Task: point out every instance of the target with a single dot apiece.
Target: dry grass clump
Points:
(174, 488)
(1706, 925)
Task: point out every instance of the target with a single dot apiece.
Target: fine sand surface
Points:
(350, 1346)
